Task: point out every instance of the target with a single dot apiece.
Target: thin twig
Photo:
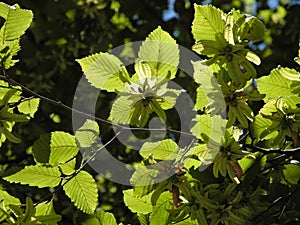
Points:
(64, 106)
(78, 170)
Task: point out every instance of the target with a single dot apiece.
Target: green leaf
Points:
(257, 29)
(259, 125)
(48, 219)
(161, 52)
(209, 48)
(276, 84)
(41, 149)
(188, 222)
(209, 126)
(161, 150)
(68, 168)
(36, 176)
(45, 208)
(83, 192)
(143, 180)
(9, 199)
(17, 21)
(102, 71)
(29, 107)
(88, 134)
(252, 57)
(209, 90)
(106, 218)
(62, 148)
(160, 214)
(291, 174)
(121, 111)
(228, 32)
(10, 136)
(91, 221)
(143, 219)
(135, 204)
(29, 210)
(208, 22)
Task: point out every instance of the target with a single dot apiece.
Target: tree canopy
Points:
(149, 112)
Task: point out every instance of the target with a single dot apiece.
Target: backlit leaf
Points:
(36, 176)
(161, 52)
(159, 150)
(63, 147)
(88, 134)
(276, 84)
(102, 71)
(83, 192)
(208, 22)
(29, 107)
(160, 212)
(139, 205)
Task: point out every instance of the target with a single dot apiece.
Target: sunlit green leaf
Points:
(121, 111)
(88, 134)
(62, 148)
(9, 199)
(161, 52)
(106, 218)
(29, 107)
(276, 84)
(143, 180)
(160, 212)
(139, 205)
(83, 192)
(36, 176)
(159, 150)
(209, 126)
(208, 22)
(17, 21)
(102, 71)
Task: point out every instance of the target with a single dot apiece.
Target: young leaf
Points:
(208, 22)
(102, 71)
(62, 148)
(36, 176)
(135, 204)
(29, 107)
(83, 192)
(159, 150)
(161, 52)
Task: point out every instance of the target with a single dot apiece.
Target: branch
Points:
(281, 198)
(270, 151)
(87, 115)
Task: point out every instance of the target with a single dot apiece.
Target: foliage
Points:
(240, 165)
